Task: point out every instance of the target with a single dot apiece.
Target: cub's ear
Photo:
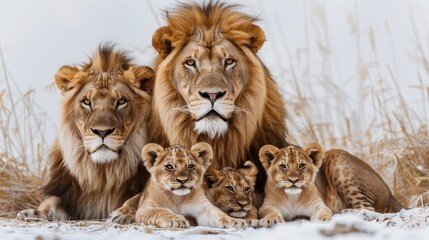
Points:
(150, 154)
(267, 154)
(252, 37)
(161, 41)
(250, 171)
(64, 78)
(142, 77)
(212, 176)
(315, 152)
(204, 153)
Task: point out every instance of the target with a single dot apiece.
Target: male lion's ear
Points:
(150, 153)
(142, 77)
(252, 37)
(161, 41)
(257, 38)
(64, 78)
(204, 152)
(267, 154)
(250, 171)
(315, 152)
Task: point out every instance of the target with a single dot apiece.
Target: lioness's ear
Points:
(161, 41)
(64, 78)
(250, 171)
(150, 153)
(267, 154)
(315, 152)
(142, 77)
(204, 152)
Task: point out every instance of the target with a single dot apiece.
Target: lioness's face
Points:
(291, 168)
(176, 168)
(104, 116)
(210, 79)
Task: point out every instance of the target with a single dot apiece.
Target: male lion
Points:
(94, 164)
(212, 87)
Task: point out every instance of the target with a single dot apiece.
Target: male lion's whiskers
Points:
(184, 109)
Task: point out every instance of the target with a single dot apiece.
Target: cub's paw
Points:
(35, 214)
(120, 217)
(323, 216)
(254, 223)
(270, 221)
(173, 222)
(229, 222)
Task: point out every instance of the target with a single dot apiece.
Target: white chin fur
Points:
(104, 156)
(181, 192)
(214, 127)
(293, 191)
(240, 214)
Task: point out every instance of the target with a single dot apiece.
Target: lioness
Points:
(290, 189)
(94, 164)
(232, 190)
(174, 189)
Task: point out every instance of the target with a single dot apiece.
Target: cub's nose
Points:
(293, 180)
(182, 180)
(213, 97)
(102, 133)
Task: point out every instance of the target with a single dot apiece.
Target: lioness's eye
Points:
(191, 167)
(229, 189)
(190, 63)
(282, 166)
(302, 166)
(229, 61)
(122, 102)
(86, 103)
(247, 189)
(169, 167)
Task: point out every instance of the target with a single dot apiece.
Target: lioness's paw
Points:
(121, 218)
(173, 222)
(35, 214)
(254, 223)
(229, 222)
(270, 221)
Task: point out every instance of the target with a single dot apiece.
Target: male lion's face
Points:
(176, 168)
(210, 79)
(292, 168)
(231, 189)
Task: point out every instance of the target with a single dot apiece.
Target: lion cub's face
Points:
(103, 106)
(292, 168)
(176, 168)
(231, 189)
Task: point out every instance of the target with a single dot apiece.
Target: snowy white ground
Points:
(408, 224)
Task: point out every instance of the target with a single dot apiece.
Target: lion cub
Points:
(175, 189)
(231, 190)
(290, 190)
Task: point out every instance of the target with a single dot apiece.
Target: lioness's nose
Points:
(212, 96)
(103, 133)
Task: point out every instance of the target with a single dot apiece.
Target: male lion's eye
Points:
(282, 166)
(229, 61)
(86, 103)
(302, 166)
(229, 189)
(190, 63)
(122, 102)
(169, 167)
(247, 189)
(191, 167)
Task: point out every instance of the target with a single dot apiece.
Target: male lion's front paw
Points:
(270, 221)
(120, 217)
(229, 222)
(173, 222)
(35, 214)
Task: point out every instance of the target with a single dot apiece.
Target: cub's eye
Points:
(229, 61)
(247, 189)
(86, 103)
(283, 166)
(190, 63)
(191, 167)
(121, 102)
(169, 167)
(302, 166)
(229, 189)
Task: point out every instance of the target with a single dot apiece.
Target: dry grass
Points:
(380, 126)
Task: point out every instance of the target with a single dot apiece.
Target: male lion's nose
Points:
(212, 96)
(103, 133)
